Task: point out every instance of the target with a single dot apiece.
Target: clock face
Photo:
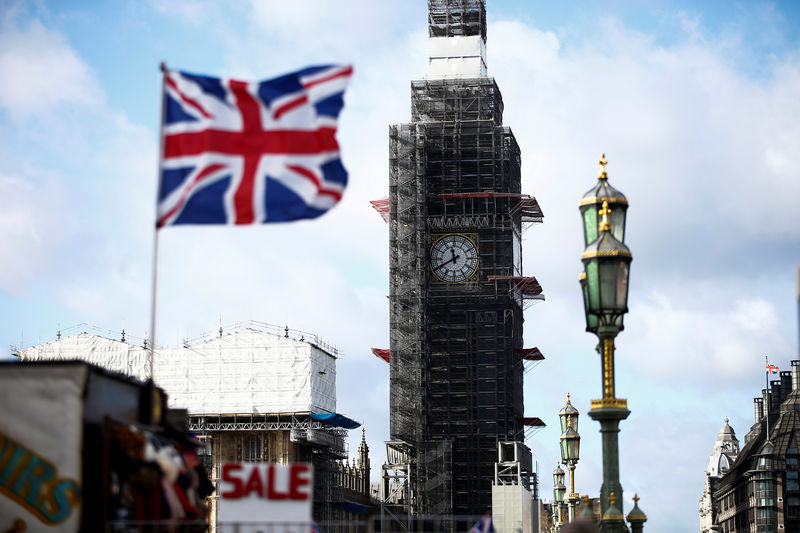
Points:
(454, 258)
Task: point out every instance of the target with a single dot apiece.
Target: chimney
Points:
(786, 384)
(758, 404)
(775, 397)
(796, 376)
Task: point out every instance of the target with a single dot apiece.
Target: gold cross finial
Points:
(567, 397)
(602, 162)
(612, 498)
(636, 499)
(604, 212)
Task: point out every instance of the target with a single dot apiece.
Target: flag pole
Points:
(766, 382)
(155, 225)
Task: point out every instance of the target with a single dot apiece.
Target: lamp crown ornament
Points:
(636, 498)
(612, 498)
(604, 212)
(602, 175)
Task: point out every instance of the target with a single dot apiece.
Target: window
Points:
(252, 448)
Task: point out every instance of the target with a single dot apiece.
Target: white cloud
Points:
(703, 334)
(195, 12)
(28, 226)
(47, 73)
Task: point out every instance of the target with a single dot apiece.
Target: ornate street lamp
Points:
(558, 494)
(570, 451)
(604, 285)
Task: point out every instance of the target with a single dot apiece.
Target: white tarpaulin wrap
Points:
(110, 354)
(248, 371)
(40, 447)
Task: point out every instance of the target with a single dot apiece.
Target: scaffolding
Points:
(456, 370)
(455, 18)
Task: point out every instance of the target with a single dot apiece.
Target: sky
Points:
(695, 105)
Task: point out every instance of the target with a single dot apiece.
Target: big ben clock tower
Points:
(456, 216)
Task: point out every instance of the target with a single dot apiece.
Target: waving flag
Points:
(772, 369)
(238, 152)
(484, 525)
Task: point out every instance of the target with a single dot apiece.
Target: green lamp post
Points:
(604, 285)
(558, 496)
(570, 451)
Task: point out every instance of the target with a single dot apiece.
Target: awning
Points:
(381, 353)
(355, 508)
(335, 419)
(530, 354)
(531, 421)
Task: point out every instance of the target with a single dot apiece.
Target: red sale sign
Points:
(265, 493)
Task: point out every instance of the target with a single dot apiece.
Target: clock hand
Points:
(454, 258)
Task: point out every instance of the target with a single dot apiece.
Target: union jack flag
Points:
(238, 152)
(772, 369)
(484, 525)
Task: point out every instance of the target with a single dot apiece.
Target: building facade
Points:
(725, 451)
(760, 492)
(457, 291)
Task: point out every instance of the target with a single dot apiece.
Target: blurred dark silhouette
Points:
(580, 526)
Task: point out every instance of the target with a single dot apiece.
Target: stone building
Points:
(725, 451)
(760, 491)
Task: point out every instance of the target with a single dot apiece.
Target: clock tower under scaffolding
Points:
(456, 215)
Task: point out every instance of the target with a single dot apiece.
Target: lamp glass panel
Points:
(617, 221)
(592, 286)
(564, 449)
(622, 284)
(574, 419)
(591, 318)
(573, 448)
(563, 419)
(608, 284)
(590, 225)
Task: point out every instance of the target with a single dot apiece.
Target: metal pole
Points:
(766, 384)
(155, 226)
(571, 496)
(609, 411)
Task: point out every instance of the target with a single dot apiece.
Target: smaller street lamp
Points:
(570, 450)
(558, 493)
